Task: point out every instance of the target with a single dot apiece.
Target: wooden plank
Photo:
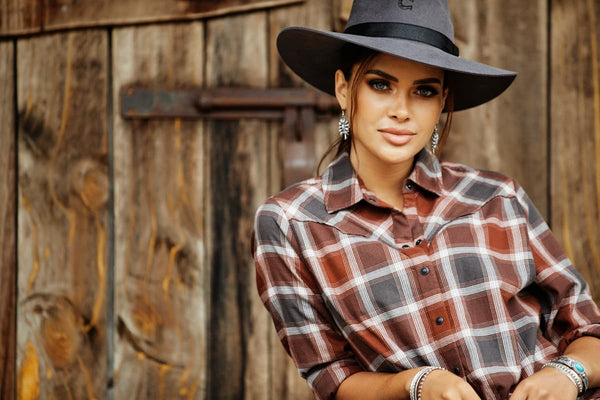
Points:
(509, 134)
(285, 381)
(575, 129)
(237, 53)
(19, 17)
(8, 234)
(63, 214)
(161, 290)
(25, 16)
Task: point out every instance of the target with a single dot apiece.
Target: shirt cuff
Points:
(591, 394)
(326, 381)
(589, 330)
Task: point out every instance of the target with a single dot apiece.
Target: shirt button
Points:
(418, 242)
(424, 271)
(409, 186)
(456, 370)
(439, 320)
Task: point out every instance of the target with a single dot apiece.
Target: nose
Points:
(400, 108)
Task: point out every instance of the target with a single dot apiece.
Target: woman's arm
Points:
(586, 350)
(439, 384)
(572, 323)
(550, 383)
(376, 385)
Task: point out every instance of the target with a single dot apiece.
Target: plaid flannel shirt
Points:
(467, 276)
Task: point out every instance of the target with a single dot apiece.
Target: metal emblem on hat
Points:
(405, 6)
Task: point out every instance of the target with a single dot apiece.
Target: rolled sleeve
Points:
(292, 296)
(572, 311)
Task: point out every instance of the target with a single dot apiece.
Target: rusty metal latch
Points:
(298, 108)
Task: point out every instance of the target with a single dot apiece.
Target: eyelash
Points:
(430, 89)
(374, 82)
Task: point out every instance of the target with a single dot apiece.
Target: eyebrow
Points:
(394, 79)
(427, 80)
(382, 74)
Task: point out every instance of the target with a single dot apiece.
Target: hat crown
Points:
(431, 14)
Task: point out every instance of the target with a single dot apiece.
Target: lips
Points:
(397, 137)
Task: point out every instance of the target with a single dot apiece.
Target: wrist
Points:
(416, 384)
(586, 350)
(410, 376)
(576, 366)
(569, 373)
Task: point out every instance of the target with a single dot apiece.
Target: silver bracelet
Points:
(575, 366)
(422, 381)
(416, 383)
(569, 373)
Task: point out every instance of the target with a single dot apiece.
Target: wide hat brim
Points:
(315, 55)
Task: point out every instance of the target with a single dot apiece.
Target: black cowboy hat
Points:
(417, 30)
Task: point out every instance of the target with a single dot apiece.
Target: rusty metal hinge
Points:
(298, 108)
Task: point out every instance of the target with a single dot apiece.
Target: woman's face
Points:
(398, 103)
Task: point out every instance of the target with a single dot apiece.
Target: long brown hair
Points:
(355, 61)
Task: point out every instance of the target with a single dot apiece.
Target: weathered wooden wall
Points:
(128, 243)
(35, 16)
(161, 289)
(575, 133)
(63, 234)
(8, 233)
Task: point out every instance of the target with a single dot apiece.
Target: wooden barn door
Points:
(135, 276)
(125, 265)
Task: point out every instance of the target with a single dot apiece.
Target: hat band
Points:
(404, 31)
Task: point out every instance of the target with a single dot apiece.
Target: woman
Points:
(394, 276)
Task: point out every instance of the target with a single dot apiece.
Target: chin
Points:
(399, 154)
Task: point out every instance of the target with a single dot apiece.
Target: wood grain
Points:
(18, 17)
(63, 196)
(27, 16)
(238, 161)
(575, 128)
(162, 288)
(508, 134)
(8, 233)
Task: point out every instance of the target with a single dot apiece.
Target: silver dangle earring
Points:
(435, 140)
(344, 126)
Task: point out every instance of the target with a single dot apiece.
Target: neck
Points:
(383, 179)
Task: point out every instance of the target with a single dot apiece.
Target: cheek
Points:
(430, 111)
(367, 108)
(372, 104)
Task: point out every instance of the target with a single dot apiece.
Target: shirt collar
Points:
(427, 172)
(342, 187)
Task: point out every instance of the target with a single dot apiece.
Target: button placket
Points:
(440, 319)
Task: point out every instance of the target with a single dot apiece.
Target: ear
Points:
(341, 89)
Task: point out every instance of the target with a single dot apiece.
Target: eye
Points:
(379, 85)
(426, 91)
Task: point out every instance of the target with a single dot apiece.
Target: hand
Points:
(441, 384)
(546, 384)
